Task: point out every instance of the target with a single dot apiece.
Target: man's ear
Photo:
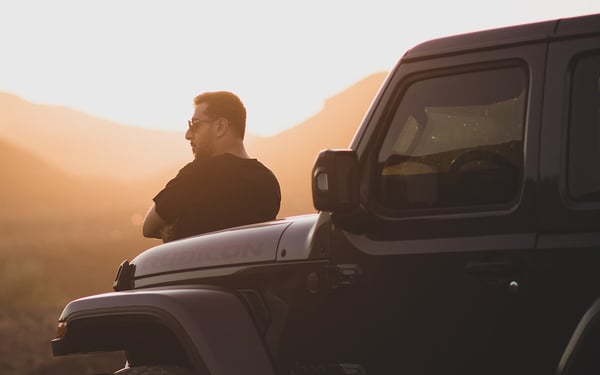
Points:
(222, 126)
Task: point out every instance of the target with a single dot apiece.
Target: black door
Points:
(449, 175)
(569, 195)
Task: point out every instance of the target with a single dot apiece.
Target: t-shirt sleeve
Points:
(172, 200)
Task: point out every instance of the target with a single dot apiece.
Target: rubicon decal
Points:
(206, 257)
(247, 245)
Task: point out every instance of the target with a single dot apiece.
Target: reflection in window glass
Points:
(584, 133)
(455, 140)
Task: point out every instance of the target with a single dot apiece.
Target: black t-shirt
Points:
(216, 193)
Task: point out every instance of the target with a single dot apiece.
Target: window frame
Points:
(574, 64)
(370, 169)
(556, 211)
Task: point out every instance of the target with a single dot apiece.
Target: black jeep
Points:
(459, 234)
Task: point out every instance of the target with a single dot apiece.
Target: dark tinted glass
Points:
(584, 132)
(455, 140)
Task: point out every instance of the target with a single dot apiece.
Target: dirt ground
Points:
(25, 347)
(45, 263)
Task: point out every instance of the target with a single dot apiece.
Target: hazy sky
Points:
(140, 62)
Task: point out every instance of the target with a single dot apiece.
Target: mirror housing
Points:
(335, 181)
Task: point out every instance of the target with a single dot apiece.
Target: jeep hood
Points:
(257, 243)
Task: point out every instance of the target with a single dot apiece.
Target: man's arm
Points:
(153, 223)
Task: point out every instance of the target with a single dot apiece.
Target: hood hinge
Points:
(344, 275)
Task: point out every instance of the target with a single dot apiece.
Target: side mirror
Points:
(335, 180)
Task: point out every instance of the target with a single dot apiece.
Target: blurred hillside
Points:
(291, 154)
(79, 156)
(88, 146)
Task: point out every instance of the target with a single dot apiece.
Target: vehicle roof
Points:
(526, 33)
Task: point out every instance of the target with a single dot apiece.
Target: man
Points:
(223, 187)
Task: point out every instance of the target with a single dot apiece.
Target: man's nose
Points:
(188, 134)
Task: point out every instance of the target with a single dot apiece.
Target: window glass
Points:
(584, 133)
(455, 140)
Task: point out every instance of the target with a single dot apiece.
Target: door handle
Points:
(486, 269)
(494, 273)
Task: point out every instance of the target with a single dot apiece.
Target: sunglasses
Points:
(194, 123)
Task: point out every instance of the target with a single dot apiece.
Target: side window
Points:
(584, 131)
(455, 140)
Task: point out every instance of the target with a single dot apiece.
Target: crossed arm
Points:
(153, 223)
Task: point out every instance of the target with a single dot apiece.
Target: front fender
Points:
(212, 326)
(581, 354)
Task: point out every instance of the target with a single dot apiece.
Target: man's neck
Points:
(235, 147)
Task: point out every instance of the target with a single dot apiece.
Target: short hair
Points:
(227, 105)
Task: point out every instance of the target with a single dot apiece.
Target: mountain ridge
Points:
(129, 164)
(126, 150)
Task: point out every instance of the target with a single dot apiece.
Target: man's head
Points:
(218, 124)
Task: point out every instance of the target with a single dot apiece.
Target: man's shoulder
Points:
(222, 162)
(225, 164)
(233, 160)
